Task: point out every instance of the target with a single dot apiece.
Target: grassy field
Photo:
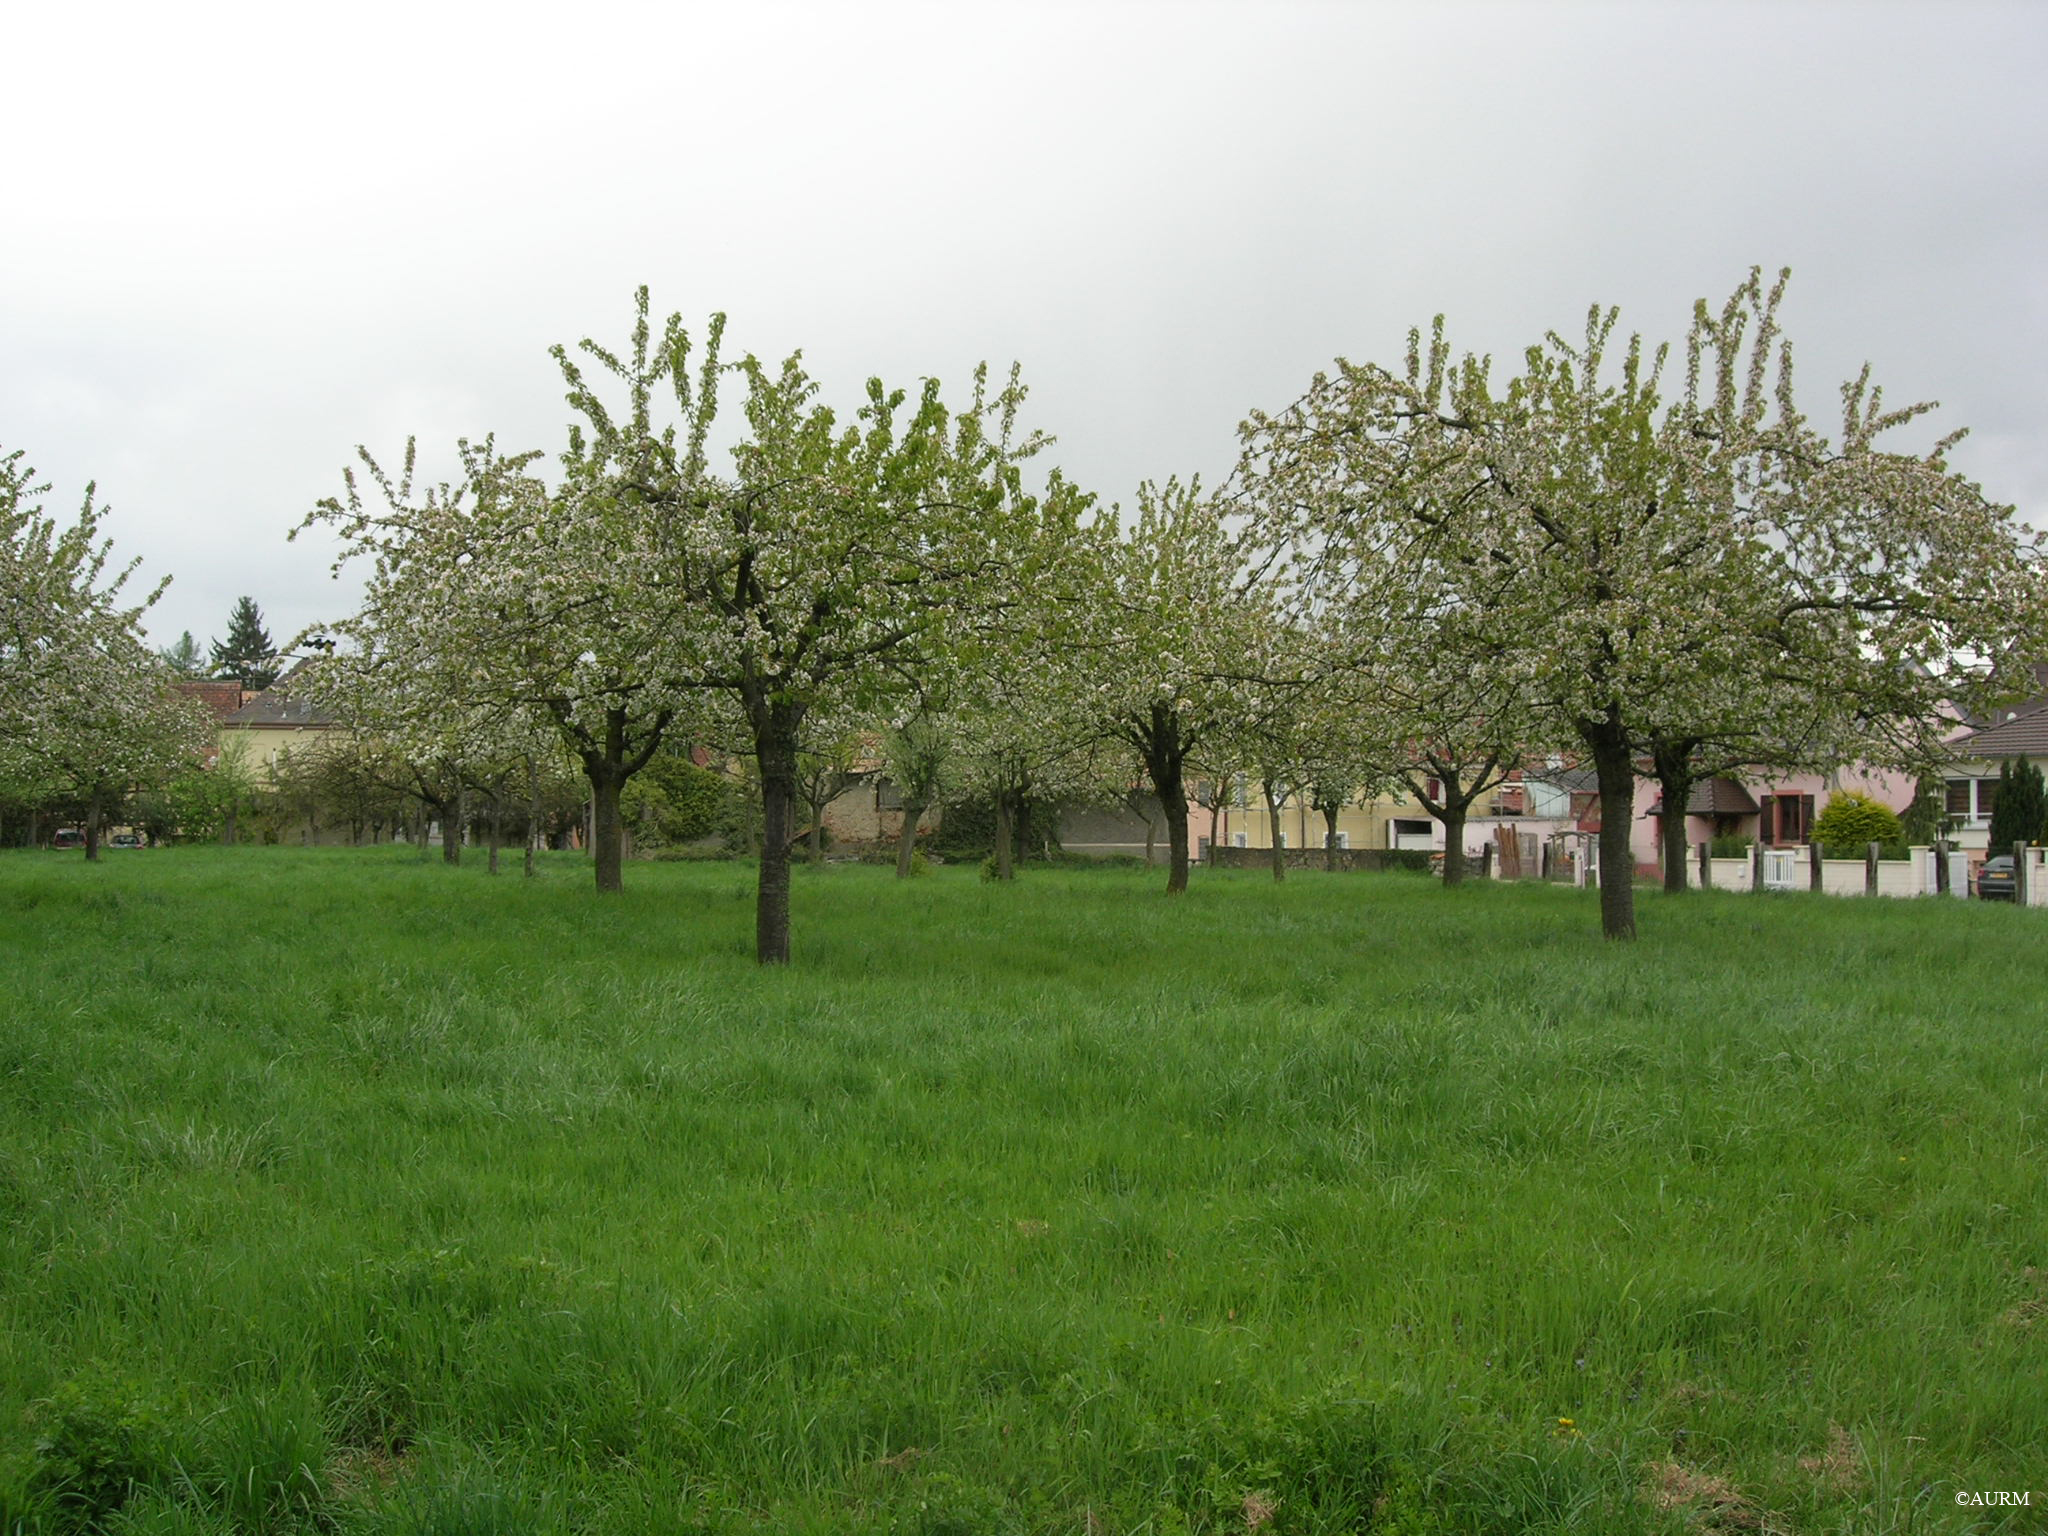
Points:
(344, 1192)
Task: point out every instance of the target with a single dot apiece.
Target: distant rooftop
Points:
(283, 711)
(221, 697)
(2018, 732)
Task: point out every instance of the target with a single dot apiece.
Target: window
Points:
(1785, 818)
(1343, 839)
(1410, 834)
(1970, 801)
(1279, 839)
(1237, 839)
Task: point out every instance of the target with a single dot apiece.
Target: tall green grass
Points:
(340, 1191)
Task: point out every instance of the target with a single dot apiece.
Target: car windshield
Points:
(2000, 865)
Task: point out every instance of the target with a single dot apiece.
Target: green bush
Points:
(968, 829)
(673, 801)
(1926, 818)
(2022, 806)
(1895, 852)
(1853, 820)
(1730, 845)
(101, 1440)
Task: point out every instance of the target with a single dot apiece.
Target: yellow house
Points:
(270, 724)
(1231, 813)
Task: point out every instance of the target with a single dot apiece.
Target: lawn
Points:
(345, 1192)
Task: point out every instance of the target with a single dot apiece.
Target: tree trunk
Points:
(1672, 843)
(817, 833)
(906, 840)
(1616, 773)
(608, 831)
(1165, 755)
(1330, 813)
(451, 832)
(775, 737)
(1176, 811)
(1151, 839)
(1006, 837)
(1675, 779)
(1278, 849)
(92, 830)
(532, 813)
(1453, 818)
(497, 831)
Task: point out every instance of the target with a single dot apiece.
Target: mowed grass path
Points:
(342, 1191)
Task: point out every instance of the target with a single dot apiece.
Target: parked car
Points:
(125, 840)
(67, 837)
(1995, 880)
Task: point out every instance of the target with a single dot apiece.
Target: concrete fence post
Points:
(2022, 895)
(1816, 877)
(1870, 854)
(1941, 866)
(1706, 866)
(1756, 865)
(1486, 860)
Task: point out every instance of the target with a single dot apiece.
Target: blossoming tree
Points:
(836, 559)
(87, 710)
(1633, 563)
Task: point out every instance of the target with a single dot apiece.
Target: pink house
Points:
(1776, 809)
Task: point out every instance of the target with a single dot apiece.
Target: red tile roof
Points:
(221, 696)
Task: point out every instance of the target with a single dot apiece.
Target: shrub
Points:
(101, 1440)
(1851, 821)
(2021, 809)
(1926, 818)
(672, 801)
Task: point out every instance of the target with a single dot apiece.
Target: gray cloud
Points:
(244, 240)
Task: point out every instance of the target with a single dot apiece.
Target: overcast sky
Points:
(241, 240)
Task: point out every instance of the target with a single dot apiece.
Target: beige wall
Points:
(856, 815)
(1365, 824)
(260, 744)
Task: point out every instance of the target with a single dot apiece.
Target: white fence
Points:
(1792, 869)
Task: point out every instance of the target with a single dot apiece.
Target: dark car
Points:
(68, 837)
(125, 840)
(1995, 880)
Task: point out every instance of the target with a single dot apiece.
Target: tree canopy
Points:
(1646, 566)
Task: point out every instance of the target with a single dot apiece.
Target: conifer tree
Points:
(183, 657)
(247, 651)
(2021, 808)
